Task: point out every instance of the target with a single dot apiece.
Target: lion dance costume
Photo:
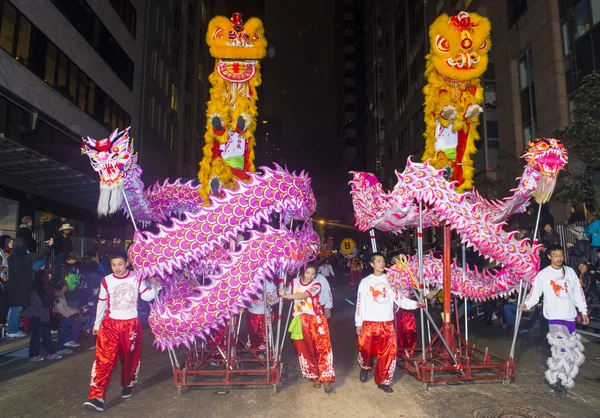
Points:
(453, 93)
(231, 113)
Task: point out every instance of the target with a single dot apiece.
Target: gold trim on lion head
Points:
(232, 39)
(460, 45)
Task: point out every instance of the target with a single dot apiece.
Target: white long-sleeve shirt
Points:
(257, 306)
(325, 297)
(562, 292)
(118, 298)
(326, 270)
(376, 298)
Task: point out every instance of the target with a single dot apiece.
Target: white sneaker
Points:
(19, 334)
(64, 352)
(72, 344)
(36, 359)
(54, 356)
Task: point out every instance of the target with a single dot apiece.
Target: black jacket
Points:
(579, 253)
(20, 278)
(62, 244)
(25, 232)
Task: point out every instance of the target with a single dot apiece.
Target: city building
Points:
(84, 68)
(269, 141)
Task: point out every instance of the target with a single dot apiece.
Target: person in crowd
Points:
(118, 330)
(68, 268)
(39, 317)
(91, 277)
(550, 236)
(49, 225)
(544, 260)
(325, 296)
(588, 283)
(25, 231)
(101, 249)
(326, 269)
(3, 294)
(576, 214)
(20, 267)
(63, 244)
(593, 233)
(580, 251)
(563, 297)
(6, 243)
(71, 320)
(374, 320)
(257, 333)
(310, 330)
(356, 269)
(546, 217)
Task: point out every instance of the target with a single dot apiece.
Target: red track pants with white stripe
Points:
(378, 339)
(122, 338)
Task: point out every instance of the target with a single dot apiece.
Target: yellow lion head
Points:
(460, 45)
(232, 39)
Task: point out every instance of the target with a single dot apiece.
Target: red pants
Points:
(406, 328)
(257, 332)
(116, 337)
(355, 277)
(378, 340)
(314, 350)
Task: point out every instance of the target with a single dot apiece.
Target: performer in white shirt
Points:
(257, 337)
(325, 296)
(374, 322)
(563, 296)
(118, 329)
(314, 348)
(326, 269)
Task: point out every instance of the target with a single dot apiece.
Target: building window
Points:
(175, 56)
(172, 133)
(191, 13)
(174, 97)
(159, 117)
(23, 41)
(190, 48)
(527, 89)
(187, 115)
(516, 8)
(188, 80)
(127, 13)
(152, 109)
(177, 18)
(581, 19)
(7, 31)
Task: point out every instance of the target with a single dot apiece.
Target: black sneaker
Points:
(386, 388)
(364, 375)
(95, 404)
(215, 186)
(126, 393)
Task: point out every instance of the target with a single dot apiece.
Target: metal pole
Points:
(421, 278)
(523, 291)
(267, 353)
(174, 357)
(280, 311)
(129, 210)
(373, 240)
(464, 266)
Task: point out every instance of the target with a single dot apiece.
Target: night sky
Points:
(299, 86)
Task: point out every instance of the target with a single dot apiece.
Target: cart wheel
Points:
(179, 390)
(424, 386)
(505, 382)
(275, 389)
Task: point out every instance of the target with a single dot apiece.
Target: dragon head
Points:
(547, 156)
(111, 158)
(460, 45)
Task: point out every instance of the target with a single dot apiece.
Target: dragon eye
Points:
(483, 45)
(115, 149)
(442, 44)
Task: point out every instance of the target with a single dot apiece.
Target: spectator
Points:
(101, 249)
(576, 215)
(593, 232)
(550, 236)
(39, 317)
(326, 269)
(63, 244)
(544, 260)
(25, 231)
(3, 295)
(67, 266)
(91, 280)
(20, 266)
(49, 225)
(588, 282)
(6, 244)
(71, 320)
(546, 217)
(580, 251)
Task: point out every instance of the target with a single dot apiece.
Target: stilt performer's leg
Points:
(567, 354)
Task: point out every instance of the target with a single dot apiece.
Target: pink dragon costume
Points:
(205, 283)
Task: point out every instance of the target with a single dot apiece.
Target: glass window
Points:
(565, 38)
(174, 97)
(61, 76)
(107, 108)
(113, 114)
(171, 137)
(91, 97)
(581, 19)
(492, 129)
(73, 76)
(489, 95)
(23, 41)
(187, 115)
(120, 116)
(50, 71)
(82, 90)
(7, 32)
(175, 56)
(595, 11)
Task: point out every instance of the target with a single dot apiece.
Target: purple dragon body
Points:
(479, 222)
(207, 271)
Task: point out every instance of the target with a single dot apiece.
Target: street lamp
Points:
(322, 222)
